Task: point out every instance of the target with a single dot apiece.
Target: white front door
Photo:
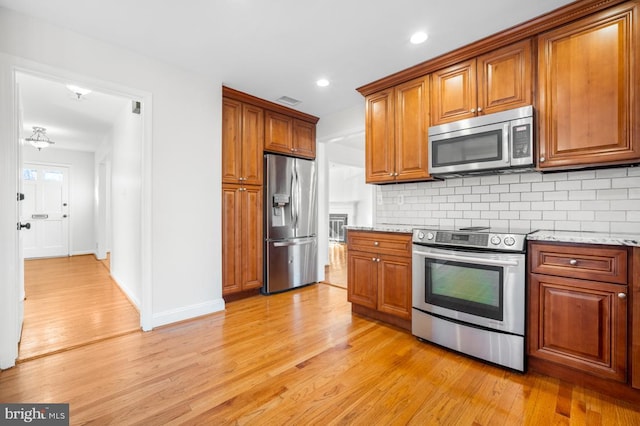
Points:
(46, 208)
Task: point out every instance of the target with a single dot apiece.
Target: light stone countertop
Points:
(405, 229)
(586, 237)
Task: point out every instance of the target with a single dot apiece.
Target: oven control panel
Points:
(480, 240)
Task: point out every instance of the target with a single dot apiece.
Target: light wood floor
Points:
(295, 358)
(72, 301)
(336, 272)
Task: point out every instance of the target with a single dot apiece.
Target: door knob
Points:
(24, 225)
(64, 215)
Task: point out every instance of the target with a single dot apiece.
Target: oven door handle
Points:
(494, 262)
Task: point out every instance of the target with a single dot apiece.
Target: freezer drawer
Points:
(290, 263)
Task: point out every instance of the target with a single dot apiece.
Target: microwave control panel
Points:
(521, 140)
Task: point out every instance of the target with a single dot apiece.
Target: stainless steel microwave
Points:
(497, 141)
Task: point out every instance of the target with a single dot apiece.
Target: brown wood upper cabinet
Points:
(242, 141)
(396, 123)
(289, 135)
(493, 82)
(589, 90)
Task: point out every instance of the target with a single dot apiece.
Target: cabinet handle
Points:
(622, 295)
(542, 159)
(573, 262)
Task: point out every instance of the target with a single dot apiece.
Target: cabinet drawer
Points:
(597, 263)
(379, 242)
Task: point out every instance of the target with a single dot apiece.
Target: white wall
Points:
(604, 200)
(126, 203)
(81, 192)
(182, 261)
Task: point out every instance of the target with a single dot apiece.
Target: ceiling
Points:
(73, 123)
(281, 47)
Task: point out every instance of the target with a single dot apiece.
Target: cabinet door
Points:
(252, 144)
(231, 239)
(504, 78)
(588, 84)
(579, 324)
(304, 139)
(362, 281)
(412, 124)
(379, 137)
(278, 133)
(394, 286)
(231, 141)
(453, 93)
(252, 238)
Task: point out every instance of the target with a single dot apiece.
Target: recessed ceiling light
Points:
(419, 37)
(323, 82)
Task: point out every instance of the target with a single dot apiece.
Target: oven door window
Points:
(465, 287)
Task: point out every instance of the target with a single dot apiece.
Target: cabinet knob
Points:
(375, 243)
(542, 159)
(573, 262)
(473, 110)
(391, 174)
(373, 259)
(378, 259)
(479, 109)
(622, 295)
(395, 174)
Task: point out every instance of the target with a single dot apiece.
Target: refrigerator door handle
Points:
(298, 195)
(294, 243)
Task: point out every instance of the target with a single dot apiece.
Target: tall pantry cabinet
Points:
(242, 153)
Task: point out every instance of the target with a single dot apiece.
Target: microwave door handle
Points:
(506, 135)
(468, 259)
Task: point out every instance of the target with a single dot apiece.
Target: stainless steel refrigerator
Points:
(291, 223)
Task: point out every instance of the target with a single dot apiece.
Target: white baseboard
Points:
(82, 253)
(187, 312)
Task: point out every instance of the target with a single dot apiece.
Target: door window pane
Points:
(29, 174)
(52, 175)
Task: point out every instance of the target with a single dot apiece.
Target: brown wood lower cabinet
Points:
(242, 244)
(580, 324)
(379, 276)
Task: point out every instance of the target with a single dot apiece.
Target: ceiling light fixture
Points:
(39, 138)
(323, 82)
(78, 91)
(419, 37)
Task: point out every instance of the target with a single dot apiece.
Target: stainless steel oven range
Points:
(469, 292)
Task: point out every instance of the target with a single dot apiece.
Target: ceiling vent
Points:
(288, 101)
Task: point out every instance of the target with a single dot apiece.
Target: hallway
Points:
(71, 302)
(336, 272)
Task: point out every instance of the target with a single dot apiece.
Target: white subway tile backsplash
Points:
(569, 185)
(611, 173)
(513, 178)
(543, 186)
(603, 200)
(627, 182)
(554, 177)
(556, 195)
(596, 184)
(582, 195)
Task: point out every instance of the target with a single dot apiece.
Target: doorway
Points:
(89, 128)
